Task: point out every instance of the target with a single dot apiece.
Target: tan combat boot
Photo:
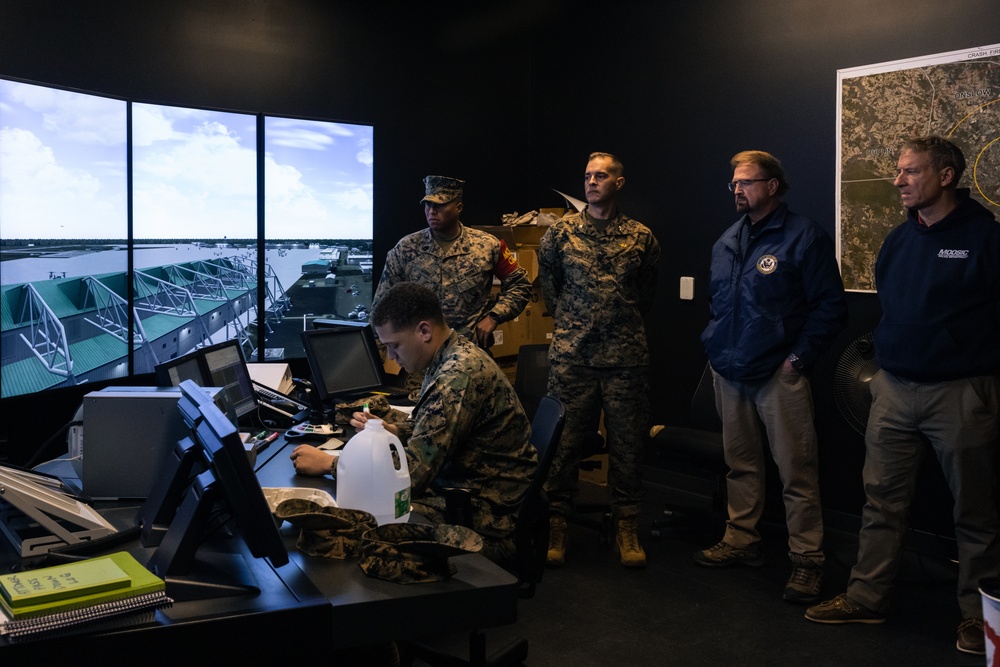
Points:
(557, 540)
(627, 540)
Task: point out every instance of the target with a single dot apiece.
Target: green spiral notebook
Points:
(76, 585)
(34, 587)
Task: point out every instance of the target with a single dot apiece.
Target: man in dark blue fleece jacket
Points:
(938, 344)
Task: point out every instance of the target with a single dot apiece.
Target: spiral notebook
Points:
(94, 608)
(104, 616)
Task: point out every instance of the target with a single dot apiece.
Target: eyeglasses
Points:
(744, 183)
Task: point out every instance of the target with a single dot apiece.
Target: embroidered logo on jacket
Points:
(767, 264)
(944, 253)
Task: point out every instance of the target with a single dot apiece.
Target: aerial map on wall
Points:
(955, 95)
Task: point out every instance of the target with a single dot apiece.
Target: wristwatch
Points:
(493, 316)
(795, 361)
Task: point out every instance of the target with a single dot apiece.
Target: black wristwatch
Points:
(493, 316)
(795, 361)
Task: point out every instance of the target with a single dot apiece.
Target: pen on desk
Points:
(261, 445)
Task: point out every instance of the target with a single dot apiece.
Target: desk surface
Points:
(479, 595)
(305, 599)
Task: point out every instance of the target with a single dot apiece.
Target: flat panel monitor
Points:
(220, 365)
(344, 362)
(229, 478)
(223, 447)
(172, 373)
(227, 369)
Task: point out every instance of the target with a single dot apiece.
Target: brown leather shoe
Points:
(971, 637)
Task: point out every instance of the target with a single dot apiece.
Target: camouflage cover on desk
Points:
(415, 553)
(331, 532)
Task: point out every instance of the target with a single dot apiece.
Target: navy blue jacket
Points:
(785, 296)
(939, 287)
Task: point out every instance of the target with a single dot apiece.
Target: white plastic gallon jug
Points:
(370, 478)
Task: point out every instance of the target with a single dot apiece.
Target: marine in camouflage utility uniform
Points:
(461, 276)
(468, 430)
(598, 285)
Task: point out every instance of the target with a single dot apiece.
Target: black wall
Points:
(512, 97)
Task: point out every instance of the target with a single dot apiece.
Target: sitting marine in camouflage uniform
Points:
(468, 428)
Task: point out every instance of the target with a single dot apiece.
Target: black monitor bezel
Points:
(200, 355)
(227, 457)
(325, 393)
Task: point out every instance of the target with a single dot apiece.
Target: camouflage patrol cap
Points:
(377, 404)
(441, 189)
(415, 553)
(331, 532)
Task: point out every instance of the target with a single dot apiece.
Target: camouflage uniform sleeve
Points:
(647, 280)
(550, 269)
(515, 291)
(442, 420)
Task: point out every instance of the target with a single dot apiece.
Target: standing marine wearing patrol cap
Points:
(458, 264)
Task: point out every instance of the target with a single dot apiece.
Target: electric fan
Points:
(851, 377)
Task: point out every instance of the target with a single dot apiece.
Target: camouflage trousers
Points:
(500, 550)
(622, 392)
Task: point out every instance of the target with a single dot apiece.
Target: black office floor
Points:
(592, 611)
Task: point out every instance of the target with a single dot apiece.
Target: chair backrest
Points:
(532, 377)
(532, 534)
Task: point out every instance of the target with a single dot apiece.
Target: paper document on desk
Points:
(277, 376)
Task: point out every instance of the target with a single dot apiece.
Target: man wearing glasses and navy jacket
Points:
(777, 304)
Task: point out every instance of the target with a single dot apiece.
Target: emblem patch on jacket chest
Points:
(767, 264)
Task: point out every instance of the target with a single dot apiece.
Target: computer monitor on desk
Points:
(344, 362)
(222, 365)
(228, 480)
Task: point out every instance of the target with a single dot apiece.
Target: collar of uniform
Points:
(446, 349)
(615, 225)
(459, 246)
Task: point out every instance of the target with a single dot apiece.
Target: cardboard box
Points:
(527, 259)
(532, 326)
(517, 236)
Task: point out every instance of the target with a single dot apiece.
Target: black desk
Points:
(480, 594)
(305, 606)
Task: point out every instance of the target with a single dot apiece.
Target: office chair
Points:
(530, 385)
(531, 541)
(698, 447)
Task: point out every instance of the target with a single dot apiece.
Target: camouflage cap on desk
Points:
(377, 404)
(331, 532)
(442, 189)
(415, 553)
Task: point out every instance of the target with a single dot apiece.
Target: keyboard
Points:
(278, 400)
